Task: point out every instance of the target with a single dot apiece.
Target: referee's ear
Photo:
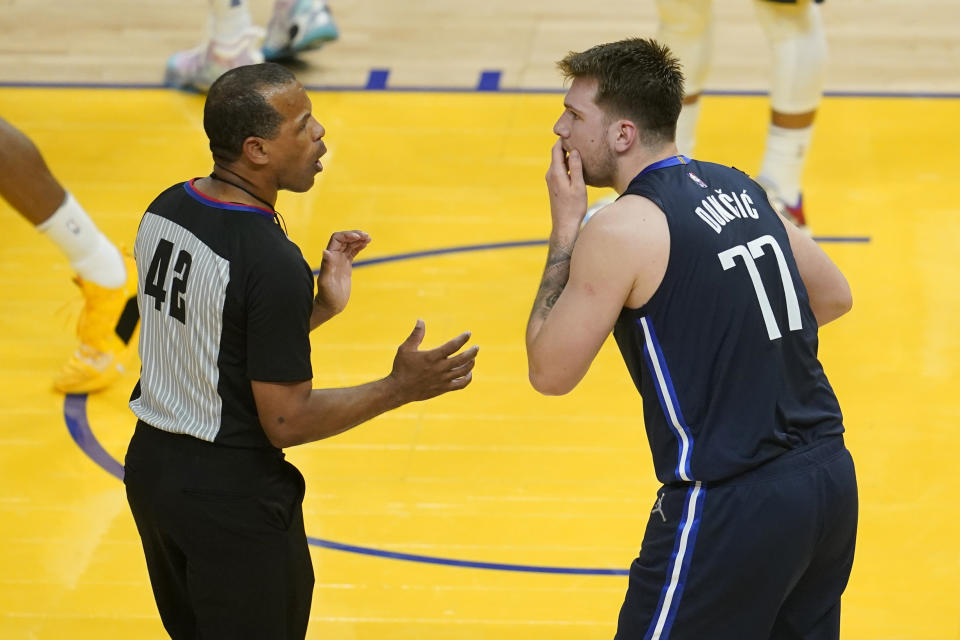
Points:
(254, 150)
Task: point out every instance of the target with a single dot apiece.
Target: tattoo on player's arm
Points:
(280, 420)
(552, 299)
(561, 256)
(555, 276)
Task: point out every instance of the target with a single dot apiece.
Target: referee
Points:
(227, 306)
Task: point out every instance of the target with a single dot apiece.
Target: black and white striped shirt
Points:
(225, 298)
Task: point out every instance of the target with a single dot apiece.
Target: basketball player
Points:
(798, 48)
(106, 279)
(714, 301)
(233, 40)
(225, 385)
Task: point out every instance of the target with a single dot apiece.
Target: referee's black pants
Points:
(223, 536)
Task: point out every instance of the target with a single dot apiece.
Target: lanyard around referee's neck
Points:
(666, 162)
(276, 214)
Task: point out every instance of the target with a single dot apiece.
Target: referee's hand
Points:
(336, 268)
(423, 374)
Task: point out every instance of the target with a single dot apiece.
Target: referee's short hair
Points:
(237, 109)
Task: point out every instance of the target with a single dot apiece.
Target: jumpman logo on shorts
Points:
(658, 507)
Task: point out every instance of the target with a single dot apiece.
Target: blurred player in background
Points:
(233, 40)
(106, 278)
(798, 48)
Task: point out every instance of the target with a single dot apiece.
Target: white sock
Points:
(784, 159)
(229, 19)
(687, 128)
(90, 253)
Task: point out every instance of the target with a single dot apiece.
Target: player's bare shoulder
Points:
(632, 231)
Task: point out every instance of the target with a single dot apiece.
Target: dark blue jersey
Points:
(724, 353)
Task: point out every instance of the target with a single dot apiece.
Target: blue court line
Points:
(377, 80)
(375, 74)
(489, 81)
(437, 252)
(469, 564)
(843, 239)
(75, 415)
(531, 243)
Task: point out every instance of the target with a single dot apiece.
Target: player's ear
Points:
(625, 135)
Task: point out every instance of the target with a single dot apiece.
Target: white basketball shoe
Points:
(299, 26)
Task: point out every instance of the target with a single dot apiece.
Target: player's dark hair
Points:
(237, 109)
(638, 79)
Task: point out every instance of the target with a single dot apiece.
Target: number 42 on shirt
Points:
(154, 285)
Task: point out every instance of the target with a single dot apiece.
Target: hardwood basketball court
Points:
(495, 512)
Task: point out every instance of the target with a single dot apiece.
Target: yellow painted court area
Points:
(496, 473)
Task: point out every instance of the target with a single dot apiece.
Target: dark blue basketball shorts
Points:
(765, 555)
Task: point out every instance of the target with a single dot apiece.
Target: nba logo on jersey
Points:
(697, 179)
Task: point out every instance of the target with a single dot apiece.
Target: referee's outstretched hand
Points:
(422, 374)
(336, 268)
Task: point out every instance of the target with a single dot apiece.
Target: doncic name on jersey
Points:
(722, 207)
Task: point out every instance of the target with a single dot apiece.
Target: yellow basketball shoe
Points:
(107, 324)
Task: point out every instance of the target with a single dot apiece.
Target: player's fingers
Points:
(576, 168)
(557, 164)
